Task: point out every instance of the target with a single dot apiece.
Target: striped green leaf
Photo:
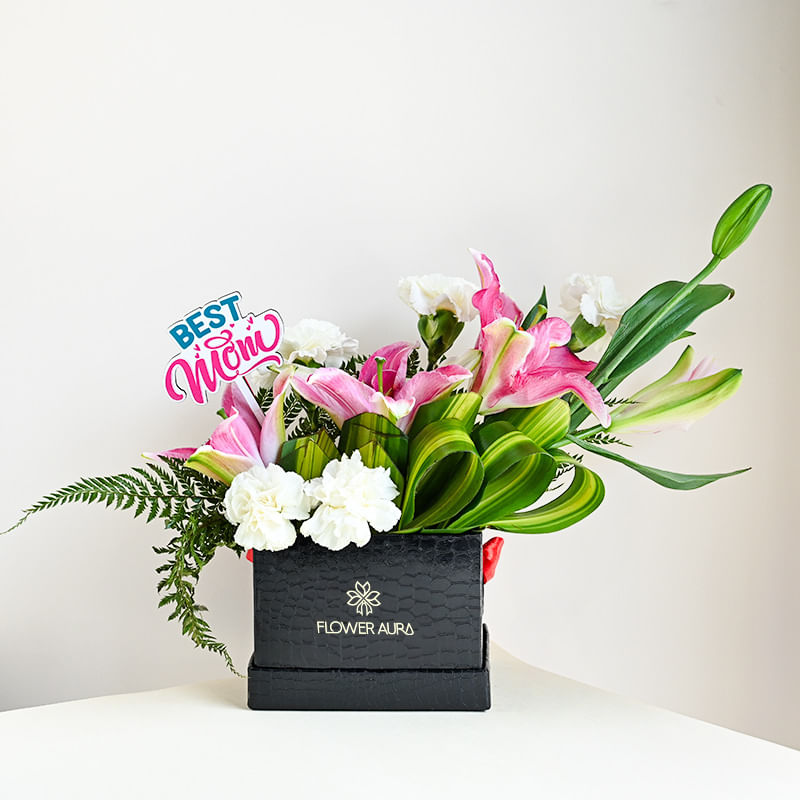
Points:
(462, 407)
(580, 499)
(516, 475)
(444, 474)
(544, 424)
(308, 455)
(368, 427)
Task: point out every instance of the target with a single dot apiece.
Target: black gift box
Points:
(396, 624)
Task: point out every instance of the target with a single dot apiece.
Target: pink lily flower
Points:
(522, 368)
(387, 391)
(489, 300)
(240, 441)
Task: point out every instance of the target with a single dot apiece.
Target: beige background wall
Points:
(154, 155)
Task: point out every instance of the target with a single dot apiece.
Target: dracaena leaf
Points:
(516, 474)
(308, 455)
(368, 427)
(444, 474)
(543, 424)
(581, 498)
(462, 407)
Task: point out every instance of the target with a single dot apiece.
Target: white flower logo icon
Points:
(363, 597)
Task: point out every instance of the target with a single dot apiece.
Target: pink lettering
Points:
(225, 356)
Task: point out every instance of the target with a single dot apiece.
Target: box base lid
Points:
(282, 688)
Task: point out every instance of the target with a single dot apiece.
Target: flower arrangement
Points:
(337, 445)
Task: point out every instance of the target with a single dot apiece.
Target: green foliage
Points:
(413, 364)
(670, 480)
(444, 474)
(460, 406)
(516, 474)
(646, 326)
(190, 505)
(605, 439)
(538, 312)
(308, 455)
(353, 364)
(563, 467)
(368, 427)
(584, 334)
(654, 321)
(581, 498)
(619, 401)
(544, 424)
(310, 419)
(663, 314)
(264, 397)
(439, 332)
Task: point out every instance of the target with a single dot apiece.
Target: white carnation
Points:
(595, 297)
(426, 294)
(319, 341)
(350, 497)
(261, 502)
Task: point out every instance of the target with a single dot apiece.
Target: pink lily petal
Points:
(544, 384)
(548, 336)
(181, 453)
(425, 387)
(564, 358)
(233, 401)
(505, 349)
(394, 370)
(340, 394)
(490, 301)
(222, 467)
(522, 368)
(273, 431)
(235, 437)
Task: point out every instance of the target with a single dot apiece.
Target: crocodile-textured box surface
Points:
(402, 602)
(276, 688)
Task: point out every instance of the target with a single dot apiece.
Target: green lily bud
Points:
(584, 334)
(678, 398)
(739, 219)
(439, 331)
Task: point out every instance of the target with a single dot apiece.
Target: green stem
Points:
(379, 362)
(659, 315)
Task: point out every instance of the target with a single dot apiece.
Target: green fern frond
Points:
(620, 401)
(413, 363)
(605, 439)
(190, 504)
(264, 397)
(353, 365)
(563, 468)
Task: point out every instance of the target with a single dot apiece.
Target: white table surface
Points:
(546, 736)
